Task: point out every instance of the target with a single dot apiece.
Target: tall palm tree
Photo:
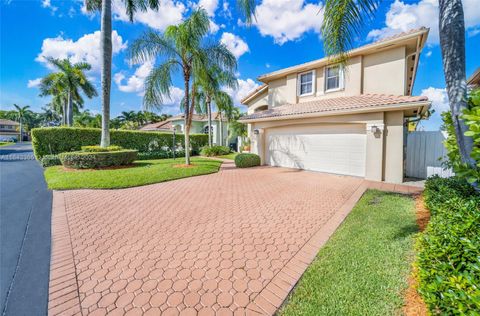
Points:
(210, 83)
(66, 84)
(182, 49)
(21, 113)
(105, 6)
(344, 19)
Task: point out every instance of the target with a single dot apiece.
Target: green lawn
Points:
(363, 268)
(229, 156)
(143, 172)
(6, 143)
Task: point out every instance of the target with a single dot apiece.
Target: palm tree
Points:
(129, 116)
(105, 6)
(210, 83)
(182, 49)
(66, 84)
(344, 19)
(21, 114)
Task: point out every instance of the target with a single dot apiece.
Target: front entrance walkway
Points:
(235, 242)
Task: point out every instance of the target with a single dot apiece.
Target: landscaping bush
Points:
(50, 160)
(214, 151)
(97, 148)
(93, 160)
(247, 160)
(56, 140)
(159, 155)
(449, 249)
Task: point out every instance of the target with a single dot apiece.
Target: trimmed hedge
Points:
(97, 148)
(449, 249)
(247, 160)
(50, 160)
(215, 151)
(93, 160)
(159, 155)
(56, 140)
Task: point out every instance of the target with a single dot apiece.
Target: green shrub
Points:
(97, 148)
(247, 160)
(56, 140)
(449, 249)
(93, 160)
(159, 155)
(214, 151)
(50, 160)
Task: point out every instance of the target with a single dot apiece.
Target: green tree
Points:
(66, 85)
(210, 82)
(182, 49)
(105, 7)
(22, 112)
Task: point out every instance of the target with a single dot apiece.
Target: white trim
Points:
(341, 78)
(314, 80)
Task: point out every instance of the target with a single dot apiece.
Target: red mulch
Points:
(414, 304)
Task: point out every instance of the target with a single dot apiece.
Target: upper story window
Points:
(333, 78)
(306, 84)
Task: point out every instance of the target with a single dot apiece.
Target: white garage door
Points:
(338, 148)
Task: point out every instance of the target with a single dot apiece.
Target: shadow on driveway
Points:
(25, 204)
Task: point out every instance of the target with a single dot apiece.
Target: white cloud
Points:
(245, 87)
(169, 12)
(136, 82)
(86, 48)
(209, 5)
(176, 96)
(235, 44)
(429, 53)
(287, 20)
(438, 97)
(403, 16)
(34, 83)
(47, 4)
(214, 27)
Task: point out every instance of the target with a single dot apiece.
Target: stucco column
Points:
(394, 147)
(257, 138)
(374, 157)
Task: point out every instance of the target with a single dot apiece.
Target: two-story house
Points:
(346, 120)
(9, 130)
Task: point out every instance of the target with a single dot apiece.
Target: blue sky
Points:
(286, 33)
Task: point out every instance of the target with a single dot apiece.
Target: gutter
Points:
(390, 107)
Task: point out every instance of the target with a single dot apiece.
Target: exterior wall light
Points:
(375, 129)
(256, 131)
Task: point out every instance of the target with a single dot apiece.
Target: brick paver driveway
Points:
(232, 242)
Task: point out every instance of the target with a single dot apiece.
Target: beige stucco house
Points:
(199, 126)
(346, 120)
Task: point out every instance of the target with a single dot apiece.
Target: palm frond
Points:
(343, 21)
(150, 45)
(247, 8)
(158, 84)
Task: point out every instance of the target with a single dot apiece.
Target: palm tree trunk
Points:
(106, 44)
(70, 110)
(221, 128)
(64, 114)
(21, 129)
(187, 118)
(452, 43)
(209, 113)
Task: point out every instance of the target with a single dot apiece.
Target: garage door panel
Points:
(328, 148)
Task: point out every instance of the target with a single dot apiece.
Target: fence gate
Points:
(424, 155)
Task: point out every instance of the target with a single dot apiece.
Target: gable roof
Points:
(8, 122)
(167, 125)
(254, 93)
(340, 105)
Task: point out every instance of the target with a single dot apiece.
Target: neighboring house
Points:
(474, 80)
(9, 129)
(353, 121)
(199, 126)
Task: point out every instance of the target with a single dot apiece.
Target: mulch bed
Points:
(414, 304)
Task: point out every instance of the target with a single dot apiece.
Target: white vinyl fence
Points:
(425, 153)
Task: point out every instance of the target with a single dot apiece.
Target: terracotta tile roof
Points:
(358, 102)
(8, 122)
(474, 79)
(167, 125)
(253, 92)
(388, 38)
